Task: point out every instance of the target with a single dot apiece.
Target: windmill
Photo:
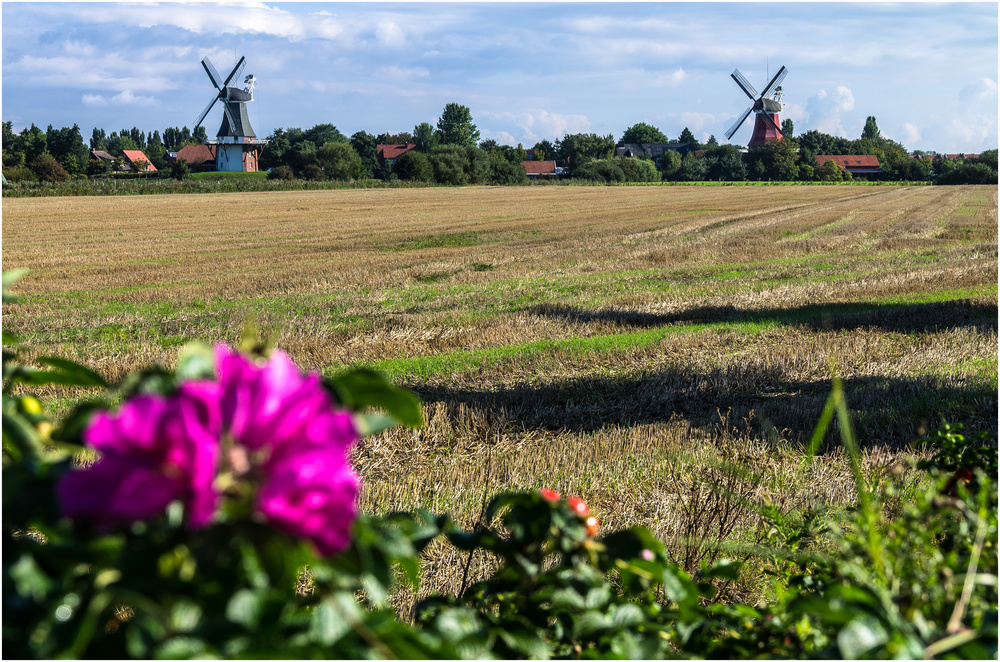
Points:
(766, 106)
(237, 143)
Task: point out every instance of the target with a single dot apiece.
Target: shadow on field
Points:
(836, 316)
(887, 411)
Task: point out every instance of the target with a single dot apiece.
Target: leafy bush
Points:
(226, 528)
(281, 172)
(413, 166)
(47, 169)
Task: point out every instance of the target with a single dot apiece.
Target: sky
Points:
(527, 71)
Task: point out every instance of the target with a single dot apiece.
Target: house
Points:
(859, 165)
(135, 158)
(955, 157)
(199, 158)
(387, 154)
(654, 151)
(536, 169)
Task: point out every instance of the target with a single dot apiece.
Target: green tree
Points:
(823, 143)
(98, 139)
(670, 165)
(367, 149)
(637, 169)
(179, 170)
(724, 163)
(606, 171)
(774, 161)
(688, 137)
(394, 138)
(32, 143)
(425, 137)
(643, 133)
(322, 134)
(277, 150)
(692, 169)
(830, 172)
(871, 131)
(118, 143)
(414, 166)
(489, 145)
(544, 150)
(339, 161)
(155, 151)
(575, 149)
(787, 128)
(712, 142)
(450, 164)
(47, 169)
(501, 170)
(456, 126)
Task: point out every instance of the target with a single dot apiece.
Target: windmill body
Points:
(765, 107)
(236, 145)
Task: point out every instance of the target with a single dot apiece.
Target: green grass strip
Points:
(424, 367)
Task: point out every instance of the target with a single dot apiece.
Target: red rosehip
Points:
(592, 525)
(549, 494)
(578, 506)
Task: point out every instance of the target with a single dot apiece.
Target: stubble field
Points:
(614, 342)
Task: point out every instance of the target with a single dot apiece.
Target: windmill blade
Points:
(212, 73)
(776, 81)
(201, 117)
(767, 118)
(736, 125)
(232, 122)
(744, 84)
(237, 70)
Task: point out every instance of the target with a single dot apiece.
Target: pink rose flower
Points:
(267, 406)
(311, 491)
(153, 451)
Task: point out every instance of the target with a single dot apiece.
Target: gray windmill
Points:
(766, 106)
(237, 144)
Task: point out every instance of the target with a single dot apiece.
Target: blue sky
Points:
(927, 72)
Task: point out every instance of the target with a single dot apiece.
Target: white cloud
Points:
(670, 80)
(125, 98)
(972, 124)
(390, 34)
(908, 134)
(537, 124)
(826, 110)
(401, 73)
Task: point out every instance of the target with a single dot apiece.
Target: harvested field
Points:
(614, 342)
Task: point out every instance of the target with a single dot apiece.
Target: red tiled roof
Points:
(393, 151)
(133, 155)
(197, 154)
(539, 167)
(849, 160)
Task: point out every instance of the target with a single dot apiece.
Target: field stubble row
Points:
(613, 342)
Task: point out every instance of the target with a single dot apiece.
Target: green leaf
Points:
(857, 639)
(245, 607)
(80, 374)
(363, 387)
(326, 625)
(9, 278)
(196, 360)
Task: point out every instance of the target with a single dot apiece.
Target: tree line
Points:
(452, 153)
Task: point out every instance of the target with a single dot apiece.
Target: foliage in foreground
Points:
(903, 575)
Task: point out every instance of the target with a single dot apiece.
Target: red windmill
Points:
(766, 106)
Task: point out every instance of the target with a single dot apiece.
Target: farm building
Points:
(536, 169)
(859, 165)
(138, 161)
(387, 154)
(199, 158)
